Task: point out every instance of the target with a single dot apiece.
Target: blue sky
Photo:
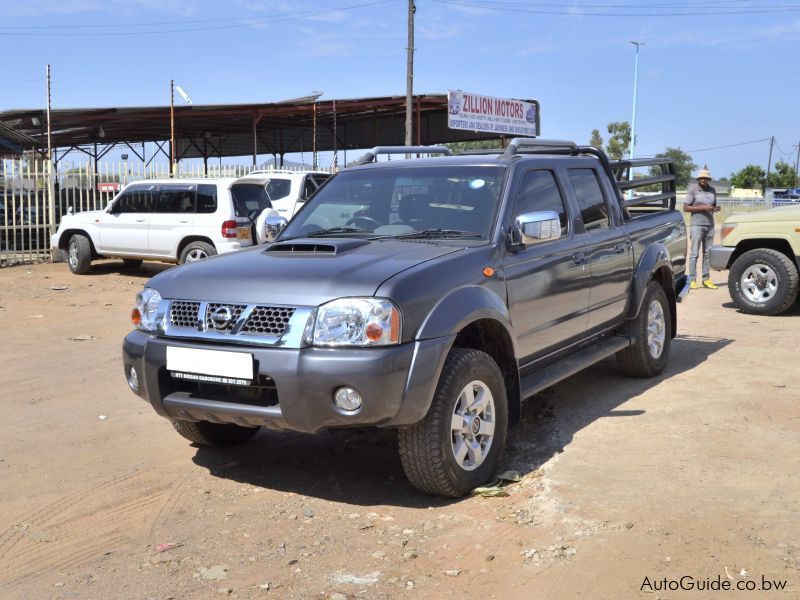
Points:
(706, 79)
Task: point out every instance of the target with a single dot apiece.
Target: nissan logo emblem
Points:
(221, 317)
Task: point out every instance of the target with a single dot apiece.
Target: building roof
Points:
(228, 129)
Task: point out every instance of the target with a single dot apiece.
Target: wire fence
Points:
(30, 208)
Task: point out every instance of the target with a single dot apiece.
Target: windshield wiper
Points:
(438, 233)
(331, 230)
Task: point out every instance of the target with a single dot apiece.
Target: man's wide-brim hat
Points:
(704, 173)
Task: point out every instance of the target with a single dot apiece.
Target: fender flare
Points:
(461, 307)
(654, 258)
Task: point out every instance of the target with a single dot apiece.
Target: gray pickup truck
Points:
(427, 295)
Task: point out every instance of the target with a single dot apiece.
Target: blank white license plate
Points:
(219, 363)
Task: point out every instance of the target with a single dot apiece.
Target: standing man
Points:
(701, 202)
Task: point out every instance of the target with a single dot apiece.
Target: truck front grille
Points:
(184, 314)
(268, 319)
(236, 312)
(247, 324)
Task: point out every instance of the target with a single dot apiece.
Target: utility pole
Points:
(797, 166)
(51, 192)
(410, 71)
(632, 148)
(769, 164)
(171, 127)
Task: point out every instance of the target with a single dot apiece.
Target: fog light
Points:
(133, 379)
(348, 399)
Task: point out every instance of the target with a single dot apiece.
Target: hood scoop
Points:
(313, 248)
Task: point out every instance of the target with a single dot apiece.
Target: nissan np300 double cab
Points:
(427, 295)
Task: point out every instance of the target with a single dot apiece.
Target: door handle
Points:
(140, 220)
(183, 220)
(620, 248)
(579, 258)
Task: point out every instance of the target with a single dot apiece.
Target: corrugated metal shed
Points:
(241, 129)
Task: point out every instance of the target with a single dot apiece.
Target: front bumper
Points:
(396, 383)
(719, 257)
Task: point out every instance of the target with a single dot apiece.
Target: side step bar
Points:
(550, 375)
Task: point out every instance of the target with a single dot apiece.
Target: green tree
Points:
(596, 140)
(783, 176)
(751, 176)
(620, 140)
(684, 166)
(456, 147)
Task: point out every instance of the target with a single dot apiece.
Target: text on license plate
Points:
(244, 233)
(218, 363)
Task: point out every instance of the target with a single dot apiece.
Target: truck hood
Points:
(301, 272)
(89, 216)
(782, 213)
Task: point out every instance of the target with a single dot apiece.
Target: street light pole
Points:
(410, 71)
(632, 148)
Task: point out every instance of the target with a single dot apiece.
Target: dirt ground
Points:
(625, 483)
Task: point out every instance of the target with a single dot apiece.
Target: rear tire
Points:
(651, 332)
(763, 282)
(196, 251)
(79, 254)
(458, 445)
(132, 263)
(216, 435)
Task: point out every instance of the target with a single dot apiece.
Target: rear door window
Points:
(206, 198)
(249, 197)
(590, 197)
(174, 198)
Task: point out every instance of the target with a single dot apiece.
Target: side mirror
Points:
(537, 227)
(273, 225)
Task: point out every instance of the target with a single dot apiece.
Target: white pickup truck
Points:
(169, 220)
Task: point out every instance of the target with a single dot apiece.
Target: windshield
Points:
(249, 197)
(448, 200)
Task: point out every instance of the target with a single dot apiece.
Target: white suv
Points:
(289, 190)
(170, 220)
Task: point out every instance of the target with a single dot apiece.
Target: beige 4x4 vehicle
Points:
(762, 251)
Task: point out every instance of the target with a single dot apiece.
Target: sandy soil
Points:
(692, 474)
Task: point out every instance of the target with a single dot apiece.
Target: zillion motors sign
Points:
(503, 116)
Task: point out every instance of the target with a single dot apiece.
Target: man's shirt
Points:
(696, 196)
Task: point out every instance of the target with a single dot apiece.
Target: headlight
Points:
(357, 322)
(145, 315)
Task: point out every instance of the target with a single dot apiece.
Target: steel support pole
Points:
(410, 73)
(172, 127)
(51, 192)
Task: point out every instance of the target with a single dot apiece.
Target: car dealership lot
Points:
(692, 474)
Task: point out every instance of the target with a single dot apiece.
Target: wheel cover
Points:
(196, 254)
(656, 329)
(472, 425)
(73, 255)
(759, 283)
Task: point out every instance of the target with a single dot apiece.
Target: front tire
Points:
(196, 251)
(458, 445)
(763, 282)
(79, 254)
(217, 435)
(651, 332)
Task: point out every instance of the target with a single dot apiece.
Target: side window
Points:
(176, 199)
(591, 201)
(136, 200)
(279, 188)
(539, 191)
(206, 198)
